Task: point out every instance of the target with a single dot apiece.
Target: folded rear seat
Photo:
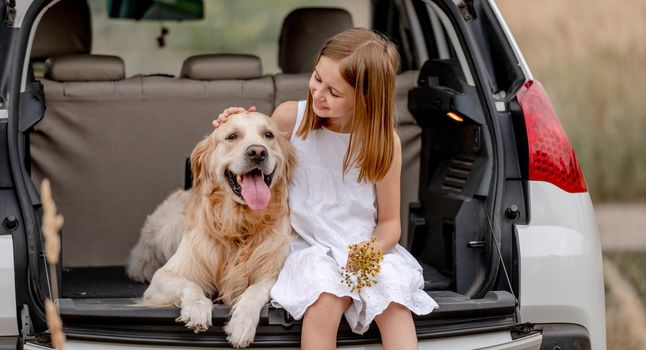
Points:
(303, 33)
(114, 148)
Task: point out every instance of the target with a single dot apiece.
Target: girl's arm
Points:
(388, 228)
(285, 117)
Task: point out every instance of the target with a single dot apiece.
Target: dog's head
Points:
(245, 157)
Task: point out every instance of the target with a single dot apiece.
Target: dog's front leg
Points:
(245, 314)
(168, 288)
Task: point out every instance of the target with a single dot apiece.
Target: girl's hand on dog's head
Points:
(222, 117)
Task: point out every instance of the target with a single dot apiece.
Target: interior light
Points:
(454, 116)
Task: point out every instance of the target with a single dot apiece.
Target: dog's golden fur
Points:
(245, 239)
(227, 250)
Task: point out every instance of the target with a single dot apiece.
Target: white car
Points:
(494, 204)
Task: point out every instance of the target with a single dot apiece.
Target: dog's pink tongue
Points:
(255, 191)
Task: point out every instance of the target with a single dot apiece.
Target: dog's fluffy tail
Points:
(143, 262)
(159, 239)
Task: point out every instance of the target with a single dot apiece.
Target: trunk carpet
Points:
(112, 282)
(100, 282)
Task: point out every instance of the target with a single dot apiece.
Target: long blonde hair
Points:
(368, 62)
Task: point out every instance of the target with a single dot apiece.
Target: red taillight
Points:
(551, 157)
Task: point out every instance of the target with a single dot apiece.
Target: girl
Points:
(345, 191)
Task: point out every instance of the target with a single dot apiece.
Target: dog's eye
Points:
(232, 136)
(269, 135)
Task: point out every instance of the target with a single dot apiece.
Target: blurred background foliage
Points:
(589, 55)
(240, 26)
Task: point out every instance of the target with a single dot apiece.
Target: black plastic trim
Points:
(120, 320)
(27, 250)
(125, 310)
(493, 202)
(564, 336)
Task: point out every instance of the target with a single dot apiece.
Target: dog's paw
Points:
(241, 329)
(197, 315)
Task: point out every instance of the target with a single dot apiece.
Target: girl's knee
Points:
(329, 301)
(397, 307)
(329, 305)
(394, 311)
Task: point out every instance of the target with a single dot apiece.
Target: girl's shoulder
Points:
(285, 117)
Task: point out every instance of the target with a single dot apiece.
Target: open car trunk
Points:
(448, 232)
(115, 147)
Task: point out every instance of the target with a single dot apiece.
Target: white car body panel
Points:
(561, 274)
(8, 321)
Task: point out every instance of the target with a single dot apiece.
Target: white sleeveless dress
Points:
(328, 212)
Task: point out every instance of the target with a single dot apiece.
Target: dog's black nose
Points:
(257, 153)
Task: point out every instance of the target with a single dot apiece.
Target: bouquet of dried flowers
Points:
(363, 266)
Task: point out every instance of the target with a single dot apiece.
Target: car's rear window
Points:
(241, 26)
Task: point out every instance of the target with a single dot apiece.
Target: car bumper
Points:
(561, 273)
(489, 341)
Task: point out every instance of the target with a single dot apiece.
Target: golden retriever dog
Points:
(226, 237)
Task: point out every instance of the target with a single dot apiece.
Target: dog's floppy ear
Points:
(199, 156)
(290, 157)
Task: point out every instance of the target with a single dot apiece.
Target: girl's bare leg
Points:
(321, 322)
(397, 328)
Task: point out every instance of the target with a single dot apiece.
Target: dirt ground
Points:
(622, 228)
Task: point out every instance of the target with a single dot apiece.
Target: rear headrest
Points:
(222, 67)
(85, 68)
(66, 28)
(304, 32)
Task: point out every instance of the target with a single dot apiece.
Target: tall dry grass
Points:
(625, 317)
(591, 57)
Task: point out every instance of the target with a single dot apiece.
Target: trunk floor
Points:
(100, 282)
(112, 282)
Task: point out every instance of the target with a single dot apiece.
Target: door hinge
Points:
(466, 9)
(10, 13)
(522, 330)
(26, 329)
